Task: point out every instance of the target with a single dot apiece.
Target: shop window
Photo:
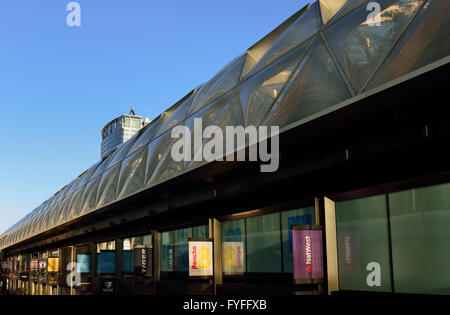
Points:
(130, 246)
(264, 243)
(363, 244)
(181, 245)
(174, 247)
(84, 268)
(233, 246)
(106, 257)
(288, 218)
(420, 220)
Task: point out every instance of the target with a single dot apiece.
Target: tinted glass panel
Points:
(264, 243)
(363, 244)
(420, 220)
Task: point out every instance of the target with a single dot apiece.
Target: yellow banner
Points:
(53, 265)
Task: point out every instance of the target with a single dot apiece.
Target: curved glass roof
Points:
(325, 54)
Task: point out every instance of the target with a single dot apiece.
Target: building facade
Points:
(360, 102)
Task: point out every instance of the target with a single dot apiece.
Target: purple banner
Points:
(308, 254)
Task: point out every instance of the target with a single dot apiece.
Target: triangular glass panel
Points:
(257, 51)
(148, 133)
(225, 83)
(108, 186)
(203, 89)
(360, 47)
(132, 173)
(220, 115)
(329, 8)
(122, 151)
(427, 40)
(349, 6)
(316, 85)
(157, 149)
(258, 93)
(179, 114)
(305, 27)
(90, 197)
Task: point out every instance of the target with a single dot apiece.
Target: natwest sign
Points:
(307, 244)
(200, 258)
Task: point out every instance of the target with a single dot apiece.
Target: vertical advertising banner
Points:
(43, 265)
(233, 258)
(83, 263)
(308, 253)
(200, 258)
(143, 262)
(34, 265)
(53, 264)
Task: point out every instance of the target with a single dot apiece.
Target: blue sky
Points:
(60, 85)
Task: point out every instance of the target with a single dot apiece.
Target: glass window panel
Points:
(359, 47)
(264, 243)
(305, 216)
(258, 93)
(128, 261)
(347, 8)
(329, 8)
(315, 86)
(420, 239)
(167, 251)
(363, 242)
(127, 123)
(426, 40)
(305, 27)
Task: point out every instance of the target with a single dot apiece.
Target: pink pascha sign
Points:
(308, 254)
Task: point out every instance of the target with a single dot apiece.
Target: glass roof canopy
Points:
(323, 55)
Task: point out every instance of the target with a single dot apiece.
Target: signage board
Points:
(83, 263)
(233, 258)
(24, 276)
(201, 258)
(307, 244)
(43, 265)
(52, 279)
(34, 265)
(143, 262)
(53, 264)
(167, 257)
(107, 286)
(106, 262)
